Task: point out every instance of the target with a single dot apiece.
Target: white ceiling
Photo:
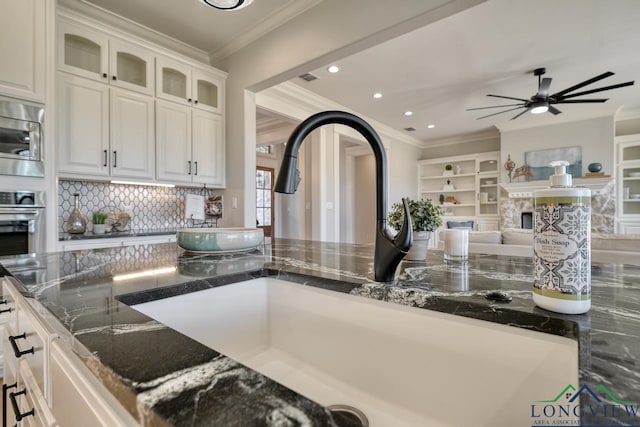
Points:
(442, 69)
(214, 31)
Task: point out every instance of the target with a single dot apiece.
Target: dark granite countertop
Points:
(114, 234)
(76, 293)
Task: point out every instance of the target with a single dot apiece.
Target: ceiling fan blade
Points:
(578, 101)
(543, 90)
(509, 97)
(584, 83)
(494, 106)
(600, 89)
(519, 114)
(500, 112)
(553, 110)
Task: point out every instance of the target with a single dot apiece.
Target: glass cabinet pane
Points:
(174, 83)
(207, 93)
(488, 166)
(82, 53)
(132, 69)
(631, 153)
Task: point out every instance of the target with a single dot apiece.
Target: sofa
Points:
(618, 248)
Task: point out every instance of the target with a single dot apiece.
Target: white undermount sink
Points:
(401, 366)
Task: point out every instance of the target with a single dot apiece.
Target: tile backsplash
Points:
(153, 207)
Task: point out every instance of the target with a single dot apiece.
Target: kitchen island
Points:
(85, 296)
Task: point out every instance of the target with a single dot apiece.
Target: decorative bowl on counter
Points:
(219, 240)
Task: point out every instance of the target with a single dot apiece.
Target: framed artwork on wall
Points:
(539, 161)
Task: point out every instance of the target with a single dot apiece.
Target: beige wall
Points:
(470, 147)
(365, 199)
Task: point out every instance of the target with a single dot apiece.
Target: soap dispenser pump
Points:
(562, 245)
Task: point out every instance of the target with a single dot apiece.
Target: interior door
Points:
(264, 199)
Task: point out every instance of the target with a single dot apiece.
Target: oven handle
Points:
(19, 211)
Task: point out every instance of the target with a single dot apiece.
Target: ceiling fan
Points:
(542, 102)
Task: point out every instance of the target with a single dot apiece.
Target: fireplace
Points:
(526, 220)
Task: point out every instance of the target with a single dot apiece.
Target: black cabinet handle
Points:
(6, 387)
(114, 78)
(16, 409)
(189, 99)
(8, 310)
(3, 301)
(115, 159)
(19, 353)
(104, 75)
(106, 155)
(189, 162)
(196, 163)
(196, 101)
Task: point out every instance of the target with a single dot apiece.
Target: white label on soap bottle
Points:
(562, 259)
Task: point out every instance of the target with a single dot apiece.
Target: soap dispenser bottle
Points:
(562, 245)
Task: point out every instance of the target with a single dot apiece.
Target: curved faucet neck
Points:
(340, 117)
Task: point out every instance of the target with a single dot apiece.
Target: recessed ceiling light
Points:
(430, 126)
(228, 4)
(333, 69)
(377, 95)
(408, 113)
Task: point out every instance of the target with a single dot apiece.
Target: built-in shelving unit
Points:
(628, 184)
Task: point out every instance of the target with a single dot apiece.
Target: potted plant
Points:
(99, 219)
(448, 170)
(442, 199)
(425, 217)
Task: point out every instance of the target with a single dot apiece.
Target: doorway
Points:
(264, 199)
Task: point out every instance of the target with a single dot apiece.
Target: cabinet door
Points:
(173, 141)
(83, 126)
(207, 91)
(131, 67)
(173, 81)
(22, 48)
(82, 51)
(132, 135)
(208, 149)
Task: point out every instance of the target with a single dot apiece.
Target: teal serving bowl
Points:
(219, 240)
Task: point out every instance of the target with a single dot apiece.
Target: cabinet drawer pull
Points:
(16, 409)
(3, 301)
(104, 75)
(196, 163)
(189, 162)
(114, 78)
(106, 155)
(8, 310)
(5, 400)
(16, 350)
(115, 159)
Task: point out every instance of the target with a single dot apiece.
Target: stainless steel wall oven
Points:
(22, 222)
(21, 138)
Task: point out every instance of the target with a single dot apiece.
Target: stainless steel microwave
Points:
(21, 138)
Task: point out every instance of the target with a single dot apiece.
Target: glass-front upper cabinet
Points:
(131, 67)
(83, 51)
(178, 82)
(88, 53)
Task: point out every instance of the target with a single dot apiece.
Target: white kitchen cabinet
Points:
(132, 137)
(208, 151)
(190, 145)
(628, 184)
(79, 400)
(104, 131)
(22, 48)
(179, 82)
(83, 126)
(95, 55)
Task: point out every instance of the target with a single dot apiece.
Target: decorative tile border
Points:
(152, 207)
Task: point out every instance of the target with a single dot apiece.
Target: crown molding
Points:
(269, 23)
(627, 113)
(89, 13)
(461, 139)
(309, 102)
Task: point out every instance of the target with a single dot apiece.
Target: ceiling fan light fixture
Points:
(539, 107)
(227, 4)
